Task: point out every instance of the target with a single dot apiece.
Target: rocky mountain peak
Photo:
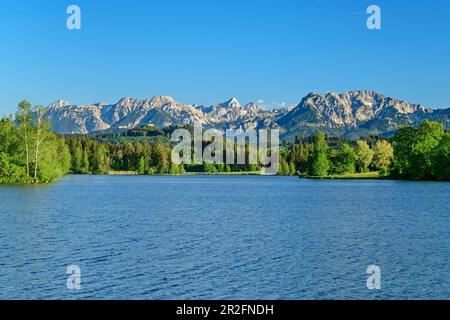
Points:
(59, 104)
(126, 102)
(252, 106)
(161, 100)
(233, 103)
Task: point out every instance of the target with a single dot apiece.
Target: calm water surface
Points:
(224, 237)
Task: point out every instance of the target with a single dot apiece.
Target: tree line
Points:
(91, 156)
(29, 151)
(319, 159)
(421, 153)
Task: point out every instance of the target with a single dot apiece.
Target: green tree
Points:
(320, 143)
(10, 172)
(174, 169)
(30, 152)
(100, 163)
(364, 155)
(414, 150)
(142, 166)
(220, 167)
(303, 157)
(211, 168)
(441, 159)
(344, 160)
(161, 158)
(319, 164)
(283, 168)
(9, 142)
(85, 161)
(41, 134)
(23, 118)
(77, 156)
(383, 155)
(292, 170)
(55, 161)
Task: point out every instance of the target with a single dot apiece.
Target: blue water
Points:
(224, 237)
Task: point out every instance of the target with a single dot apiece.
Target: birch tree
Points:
(41, 134)
(23, 118)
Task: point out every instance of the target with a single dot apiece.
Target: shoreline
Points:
(350, 176)
(355, 176)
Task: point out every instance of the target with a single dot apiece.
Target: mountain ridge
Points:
(351, 113)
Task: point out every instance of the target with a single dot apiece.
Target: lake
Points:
(224, 237)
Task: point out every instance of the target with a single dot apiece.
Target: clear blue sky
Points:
(205, 51)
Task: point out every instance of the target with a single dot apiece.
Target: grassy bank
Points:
(243, 173)
(349, 176)
(23, 181)
(122, 173)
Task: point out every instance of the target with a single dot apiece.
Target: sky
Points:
(207, 51)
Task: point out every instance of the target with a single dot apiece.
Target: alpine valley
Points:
(349, 114)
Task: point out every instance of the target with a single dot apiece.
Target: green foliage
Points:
(319, 165)
(151, 171)
(415, 151)
(364, 155)
(383, 155)
(320, 143)
(299, 156)
(209, 168)
(174, 169)
(343, 160)
(85, 162)
(55, 161)
(10, 172)
(293, 171)
(142, 165)
(283, 167)
(161, 158)
(30, 152)
(77, 156)
(9, 137)
(441, 159)
(315, 157)
(100, 160)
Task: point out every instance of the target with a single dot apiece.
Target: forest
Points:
(413, 153)
(31, 153)
(421, 153)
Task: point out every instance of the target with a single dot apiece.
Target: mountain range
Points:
(349, 114)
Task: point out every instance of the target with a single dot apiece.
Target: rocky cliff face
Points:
(160, 111)
(350, 113)
(356, 113)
